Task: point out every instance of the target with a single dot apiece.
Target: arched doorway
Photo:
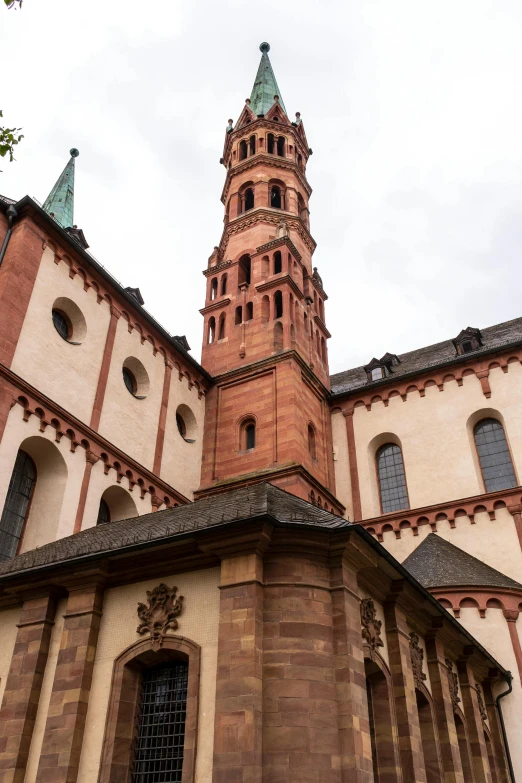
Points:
(429, 738)
(383, 732)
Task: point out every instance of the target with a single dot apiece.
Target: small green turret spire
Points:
(265, 85)
(60, 201)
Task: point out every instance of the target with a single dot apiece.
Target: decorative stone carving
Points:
(371, 626)
(160, 614)
(282, 228)
(417, 658)
(453, 680)
(482, 707)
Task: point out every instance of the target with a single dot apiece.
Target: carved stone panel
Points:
(160, 615)
(417, 658)
(371, 626)
(482, 707)
(453, 680)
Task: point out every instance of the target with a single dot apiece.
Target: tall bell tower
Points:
(264, 338)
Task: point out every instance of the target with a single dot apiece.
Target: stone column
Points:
(511, 617)
(352, 459)
(350, 679)
(470, 708)
(495, 731)
(410, 740)
(516, 512)
(24, 682)
(65, 724)
(104, 369)
(90, 460)
(449, 745)
(162, 421)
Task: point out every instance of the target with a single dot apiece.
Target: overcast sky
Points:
(412, 108)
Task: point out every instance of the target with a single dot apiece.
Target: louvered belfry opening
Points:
(160, 732)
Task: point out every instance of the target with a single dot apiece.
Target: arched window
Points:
(321, 309)
(243, 150)
(62, 324)
(160, 730)
(265, 267)
(300, 161)
(270, 143)
(323, 349)
(311, 441)
(244, 270)
(222, 319)
(249, 199)
(249, 311)
(239, 315)
(281, 146)
(392, 481)
(278, 304)
(278, 336)
(278, 262)
(17, 503)
(224, 284)
(104, 514)
(247, 435)
(275, 197)
(211, 330)
(493, 452)
(213, 288)
(252, 145)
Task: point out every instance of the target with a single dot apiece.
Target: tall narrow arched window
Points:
(224, 284)
(281, 146)
(211, 330)
(247, 435)
(252, 145)
(249, 198)
(392, 481)
(213, 288)
(493, 452)
(160, 730)
(244, 270)
(270, 143)
(249, 311)
(17, 503)
(104, 514)
(239, 315)
(278, 304)
(265, 308)
(311, 441)
(275, 197)
(278, 262)
(278, 336)
(221, 333)
(243, 150)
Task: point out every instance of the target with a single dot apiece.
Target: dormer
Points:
(390, 360)
(136, 295)
(467, 341)
(378, 369)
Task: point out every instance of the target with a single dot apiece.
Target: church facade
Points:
(246, 569)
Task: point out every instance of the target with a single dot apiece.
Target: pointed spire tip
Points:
(74, 152)
(264, 47)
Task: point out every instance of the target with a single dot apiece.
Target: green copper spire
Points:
(265, 85)
(60, 201)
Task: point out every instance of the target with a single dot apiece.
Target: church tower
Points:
(265, 335)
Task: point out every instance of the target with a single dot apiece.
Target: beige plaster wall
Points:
(8, 631)
(181, 463)
(198, 622)
(439, 456)
(45, 695)
(64, 372)
(492, 632)
(60, 474)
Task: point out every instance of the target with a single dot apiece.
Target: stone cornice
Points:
(270, 216)
(322, 326)
(34, 403)
(216, 305)
(260, 159)
(278, 243)
(214, 270)
(278, 281)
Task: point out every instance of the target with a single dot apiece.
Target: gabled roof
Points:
(437, 563)
(265, 85)
(238, 504)
(493, 337)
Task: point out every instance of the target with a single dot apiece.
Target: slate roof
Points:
(244, 503)
(493, 337)
(437, 563)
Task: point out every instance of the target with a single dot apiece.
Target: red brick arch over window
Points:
(123, 702)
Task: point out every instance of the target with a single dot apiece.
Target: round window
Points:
(186, 423)
(62, 324)
(68, 320)
(129, 380)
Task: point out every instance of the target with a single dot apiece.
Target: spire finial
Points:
(264, 47)
(60, 201)
(265, 85)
